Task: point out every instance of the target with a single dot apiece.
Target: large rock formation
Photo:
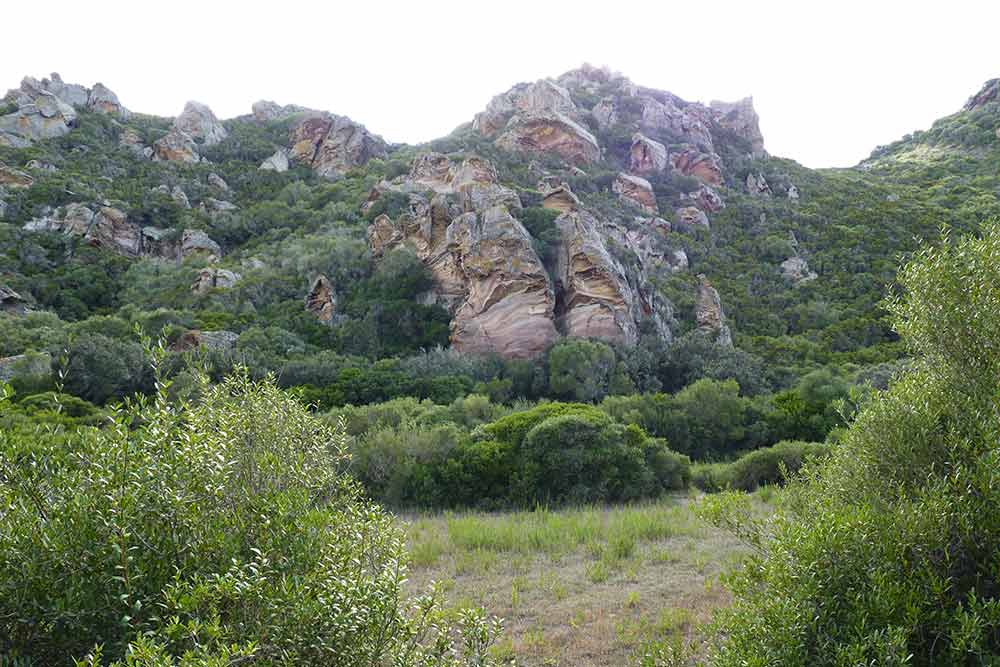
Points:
(176, 146)
(48, 109)
(461, 223)
(332, 144)
(990, 92)
(706, 167)
(705, 198)
(539, 117)
(211, 278)
(708, 313)
(198, 122)
(277, 162)
(265, 111)
(646, 155)
(635, 191)
(11, 302)
(322, 300)
(741, 119)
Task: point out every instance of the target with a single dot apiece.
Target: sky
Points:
(830, 80)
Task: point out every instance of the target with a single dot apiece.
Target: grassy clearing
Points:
(583, 587)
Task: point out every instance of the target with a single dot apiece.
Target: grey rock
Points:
(199, 123)
(709, 315)
(796, 269)
(217, 182)
(277, 162)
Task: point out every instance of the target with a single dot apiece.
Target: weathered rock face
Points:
(212, 278)
(322, 300)
(277, 162)
(793, 193)
(196, 241)
(131, 140)
(486, 271)
(539, 117)
(646, 156)
(741, 118)
(14, 178)
(605, 113)
(176, 194)
(757, 185)
(105, 227)
(265, 111)
(102, 100)
(705, 198)
(635, 191)
(332, 144)
(796, 269)
(217, 182)
(687, 122)
(11, 302)
(595, 299)
(198, 122)
(708, 313)
(558, 196)
(176, 146)
(990, 92)
(689, 216)
(706, 167)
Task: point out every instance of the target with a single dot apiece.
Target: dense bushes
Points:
(409, 453)
(211, 535)
(886, 552)
(767, 465)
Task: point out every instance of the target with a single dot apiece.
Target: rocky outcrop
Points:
(540, 118)
(277, 162)
(108, 227)
(39, 165)
(635, 191)
(757, 185)
(793, 193)
(11, 302)
(331, 145)
(796, 269)
(690, 216)
(131, 141)
(486, 271)
(198, 122)
(558, 196)
(218, 341)
(14, 178)
(211, 278)
(322, 300)
(217, 182)
(605, 113)
(706, 167)
(990, 92)
(103, 100)
(688, 123)
(176, 194)
(212, 205)
(708, 314)
(265, 111)
(646, 156)
(176, 146)
(705, 198)
(741, 119)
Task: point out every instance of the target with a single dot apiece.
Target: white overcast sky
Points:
(830, 80)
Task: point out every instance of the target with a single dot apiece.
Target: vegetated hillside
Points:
(582, 207)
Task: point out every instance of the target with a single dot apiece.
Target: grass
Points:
(585, 587)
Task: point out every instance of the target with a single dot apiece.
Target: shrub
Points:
(886, 552)
(767, 465)
(207, 536)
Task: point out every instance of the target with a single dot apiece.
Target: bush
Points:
(886, 552)
(767, 465)
(210, 536)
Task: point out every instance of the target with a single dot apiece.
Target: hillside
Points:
(583, 206)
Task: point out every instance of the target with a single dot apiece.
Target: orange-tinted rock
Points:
(322, 300)
(636, 191)
(646, 156)
(332, 144)
(706, 167)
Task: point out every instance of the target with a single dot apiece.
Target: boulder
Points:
(40, 115)
(277, 162)
(793, 193)
(678, 261)
(195, 241)
(331, 145)
(198, 122)
(646, 156)
(550, 132)
(217, 182)
(688, 122)
(796, 269)
(106, 227)
(708, 314)
(741, 119)
(11, 302)
(14, 178)
(213, 205)
(176, 146)
(265, 111)
(634, 190)
(757, 185)
(102, 100)
(322, 300)
(558, 196)
(706, 167)
(705, 198)
(605, 113)
(38, 165)
(543, 96)
(690, 216)
(212, 278)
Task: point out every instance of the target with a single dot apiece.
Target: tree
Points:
(886, 552)
(580, 370)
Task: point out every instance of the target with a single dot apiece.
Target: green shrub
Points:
(886, 551)
(212, 535)
(760, 467)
